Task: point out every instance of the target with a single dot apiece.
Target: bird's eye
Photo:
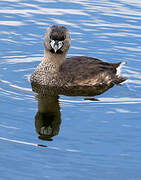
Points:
(61, 43)
(52, 42)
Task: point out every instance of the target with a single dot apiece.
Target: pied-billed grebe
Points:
(58, 71)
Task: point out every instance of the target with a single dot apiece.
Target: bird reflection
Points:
(48, 117)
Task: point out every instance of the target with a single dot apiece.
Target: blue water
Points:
(97, 140)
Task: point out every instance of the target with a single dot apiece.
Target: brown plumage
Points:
(58, 71)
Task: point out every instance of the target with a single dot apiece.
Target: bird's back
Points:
(88, 71)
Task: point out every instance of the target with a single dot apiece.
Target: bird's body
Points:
(80, 71)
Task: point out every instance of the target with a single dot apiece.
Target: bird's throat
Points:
(53, 60)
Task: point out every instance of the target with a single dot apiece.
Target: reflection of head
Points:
(47, 124)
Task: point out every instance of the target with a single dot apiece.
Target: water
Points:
(97, 140)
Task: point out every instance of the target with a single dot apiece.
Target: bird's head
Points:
(57, 39)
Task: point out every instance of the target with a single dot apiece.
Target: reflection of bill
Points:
(48, 117)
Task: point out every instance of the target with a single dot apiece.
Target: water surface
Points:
(95, 140)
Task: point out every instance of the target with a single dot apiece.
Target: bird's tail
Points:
(119, 79)
(119, 67)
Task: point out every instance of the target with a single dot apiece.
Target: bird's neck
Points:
(53, 61)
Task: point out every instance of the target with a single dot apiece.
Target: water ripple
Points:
(93, 133)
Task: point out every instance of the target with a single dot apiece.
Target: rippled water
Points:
(97, 140)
